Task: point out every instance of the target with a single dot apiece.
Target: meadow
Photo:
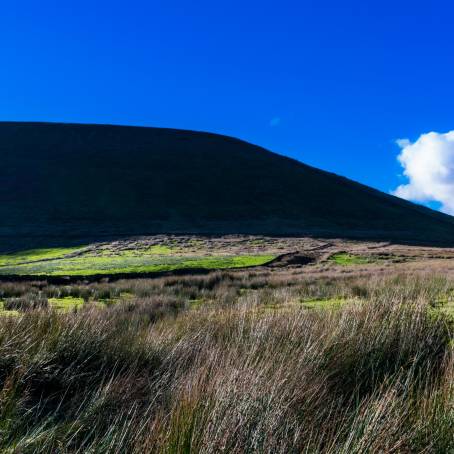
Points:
(121, 258)
(168, 253)
(260, 360)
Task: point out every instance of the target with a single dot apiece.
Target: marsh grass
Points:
(155, 372)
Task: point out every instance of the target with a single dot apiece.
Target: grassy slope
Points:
(73, 182)
(35, 255)
(62, 261)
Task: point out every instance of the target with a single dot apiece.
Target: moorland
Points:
(348, 352)
(167, 291)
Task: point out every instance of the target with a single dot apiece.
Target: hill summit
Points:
(91, 181)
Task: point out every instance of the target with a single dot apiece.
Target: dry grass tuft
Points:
(156, 372)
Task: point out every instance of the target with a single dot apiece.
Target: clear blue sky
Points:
(331, 83)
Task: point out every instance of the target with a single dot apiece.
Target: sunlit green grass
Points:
(39, 255)
(6, 312)
(35, 255)
(448, 309)
(328, 303)
(445, 306)
(344, 258)
(159, 249)
(90, 265)
(61, 305)
(312, 304)
(66, 304)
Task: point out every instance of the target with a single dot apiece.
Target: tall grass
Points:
(154, 373)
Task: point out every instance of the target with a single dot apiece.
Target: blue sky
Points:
(331, 83)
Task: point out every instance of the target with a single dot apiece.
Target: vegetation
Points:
(7, 311)
(157, 258)
(229, 362)
(328, 303)
(345, 258)
(301, 356)
(35, 255)
(67, 303)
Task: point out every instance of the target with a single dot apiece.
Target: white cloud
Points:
(428, 164)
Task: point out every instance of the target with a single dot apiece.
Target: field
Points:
(168, 253)
(332, 347)
(133, 256)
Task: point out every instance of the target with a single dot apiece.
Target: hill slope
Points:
(62, 181)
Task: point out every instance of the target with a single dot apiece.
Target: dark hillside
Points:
(63, 181)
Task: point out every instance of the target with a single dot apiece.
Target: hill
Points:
(68, 182)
